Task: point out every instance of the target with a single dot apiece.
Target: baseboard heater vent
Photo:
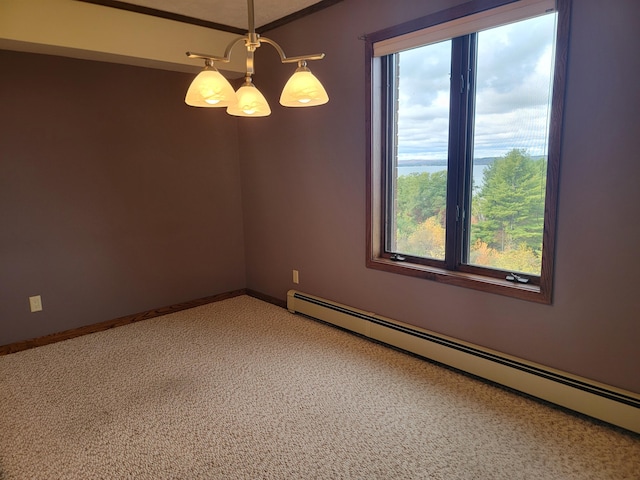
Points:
(604, 402)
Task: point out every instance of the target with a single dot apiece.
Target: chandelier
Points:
(211, 89)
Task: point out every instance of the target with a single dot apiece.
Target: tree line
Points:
(507, 214)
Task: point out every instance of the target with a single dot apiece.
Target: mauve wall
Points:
(303, 174)
(115, 197)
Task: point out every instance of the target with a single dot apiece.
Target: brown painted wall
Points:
(115, 197)
(303, 174)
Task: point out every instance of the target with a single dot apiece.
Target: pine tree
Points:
(509, 208)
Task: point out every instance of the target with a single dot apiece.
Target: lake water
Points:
(477, 171)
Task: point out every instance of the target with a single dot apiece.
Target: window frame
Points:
(452, 271)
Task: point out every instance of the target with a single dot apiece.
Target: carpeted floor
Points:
(241, 389)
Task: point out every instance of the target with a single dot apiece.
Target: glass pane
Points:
(420, 170)
(513, 95)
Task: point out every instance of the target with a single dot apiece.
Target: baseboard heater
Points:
(616, 406)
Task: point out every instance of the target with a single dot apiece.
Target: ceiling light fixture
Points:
(211, 89)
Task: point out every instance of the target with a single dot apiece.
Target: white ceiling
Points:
(228, 12)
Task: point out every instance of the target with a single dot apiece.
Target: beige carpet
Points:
(242, 389)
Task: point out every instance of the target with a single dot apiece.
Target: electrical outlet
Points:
(35, 303)
(296, 277)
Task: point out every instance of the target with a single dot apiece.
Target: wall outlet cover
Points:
(35, 303)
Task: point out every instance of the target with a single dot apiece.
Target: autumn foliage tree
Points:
(506, 219)
(420, 196)
(421, 200)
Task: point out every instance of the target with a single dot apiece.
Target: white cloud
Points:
(512, 93)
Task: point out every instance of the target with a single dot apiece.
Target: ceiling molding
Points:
(130, 7)
(297, 15)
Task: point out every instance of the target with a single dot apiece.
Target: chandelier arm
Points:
(285, 59)
(227, 52)
(231, 46)
(205, 56)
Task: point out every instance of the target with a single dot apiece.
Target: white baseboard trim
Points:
(604, 402)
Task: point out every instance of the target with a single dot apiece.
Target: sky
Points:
(512, 100)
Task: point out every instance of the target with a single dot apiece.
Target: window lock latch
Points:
(517, 278)
(396, 257)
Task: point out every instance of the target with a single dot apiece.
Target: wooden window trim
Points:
(465, 275)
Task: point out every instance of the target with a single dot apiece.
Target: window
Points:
(464, 145)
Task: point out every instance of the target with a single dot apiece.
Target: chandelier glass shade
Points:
(250, 102)
(211, 89)
(303, 89)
